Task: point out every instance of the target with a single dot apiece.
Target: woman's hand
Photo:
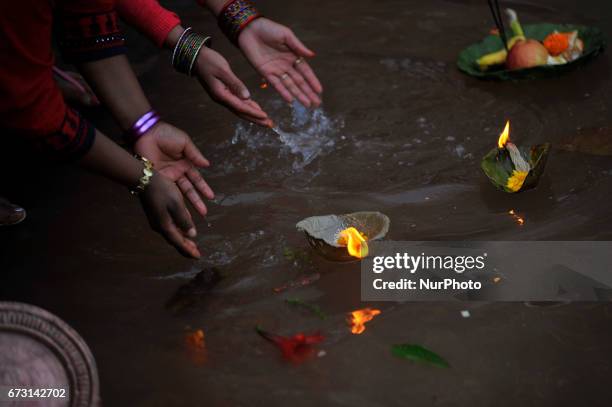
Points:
(217, 78)
(178, 159)
(277, 54)
(168, 215)
(161, 199)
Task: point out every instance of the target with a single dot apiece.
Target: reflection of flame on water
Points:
(355, 242)
(358, 318)
(263, 84)
(504, 136)
(517, 218)
(196, 346)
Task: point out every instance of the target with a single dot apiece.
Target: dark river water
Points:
(400, 131)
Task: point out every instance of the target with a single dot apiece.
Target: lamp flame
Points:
(358, 318)
(354, 241)
(504, 136)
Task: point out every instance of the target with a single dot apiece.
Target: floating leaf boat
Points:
(512, 168)
(594, 44)
(323, 232)
(498, 166)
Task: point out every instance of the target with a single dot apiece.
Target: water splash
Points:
(307, 134)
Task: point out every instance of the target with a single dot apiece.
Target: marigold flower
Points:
(556, 43)
(515, 182)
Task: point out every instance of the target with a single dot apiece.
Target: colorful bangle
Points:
(235, 16)
(147, 174)
(186, 51)
(141, 126)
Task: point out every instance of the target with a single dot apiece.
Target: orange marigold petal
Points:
(556, 43)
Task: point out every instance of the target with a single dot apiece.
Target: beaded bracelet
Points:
(235, 16)
(141, 126)
(186, 51)
(147, 174)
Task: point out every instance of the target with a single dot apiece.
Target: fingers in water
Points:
(200, 184)
(280, 87)
(180, 238)
(235, 85)
(305, 87)
(185, 246)
(288, 81)
(310, 76)
(192, 195)
(246, 107)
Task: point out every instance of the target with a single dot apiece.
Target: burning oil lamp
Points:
(344, 237)
(355, 242)
(514, 169)
(357, 319)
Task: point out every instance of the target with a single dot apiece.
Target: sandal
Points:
(10, 214)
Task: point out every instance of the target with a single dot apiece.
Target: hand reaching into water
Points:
(168, 215)
(277, 54)
(224, 87)
(178, 159)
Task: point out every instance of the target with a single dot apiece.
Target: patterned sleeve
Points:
(71, 141)
(88, 30)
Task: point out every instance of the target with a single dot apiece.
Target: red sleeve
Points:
(88, 30)
(31, 105)
(148, 17)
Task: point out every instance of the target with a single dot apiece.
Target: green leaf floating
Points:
(498, 166)
(593, 38)
(310, 307)
(418, 353)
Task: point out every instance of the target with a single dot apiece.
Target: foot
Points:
(10, 214)
(74, 88)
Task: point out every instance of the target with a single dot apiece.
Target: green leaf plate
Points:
(417, 353)
(499, 167)
(594, 44)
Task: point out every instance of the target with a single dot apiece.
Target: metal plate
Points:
(39, 350)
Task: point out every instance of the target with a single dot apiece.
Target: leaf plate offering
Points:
(594, 44)
(323, 232)
(500, 169)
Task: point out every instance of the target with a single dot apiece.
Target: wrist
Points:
(250, 28)
(141, 126)
(146, 176)
(173, 36)
(215, 6)
(187, 49)
(236, 16)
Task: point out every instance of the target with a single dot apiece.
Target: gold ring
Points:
(298, 61)
(284, 76)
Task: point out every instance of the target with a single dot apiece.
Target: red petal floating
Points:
(196, 347)
(296, 348)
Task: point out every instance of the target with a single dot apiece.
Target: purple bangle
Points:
(141, 126)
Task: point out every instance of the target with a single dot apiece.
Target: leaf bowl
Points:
(322, 231)
(498, 166)
(594, 44)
